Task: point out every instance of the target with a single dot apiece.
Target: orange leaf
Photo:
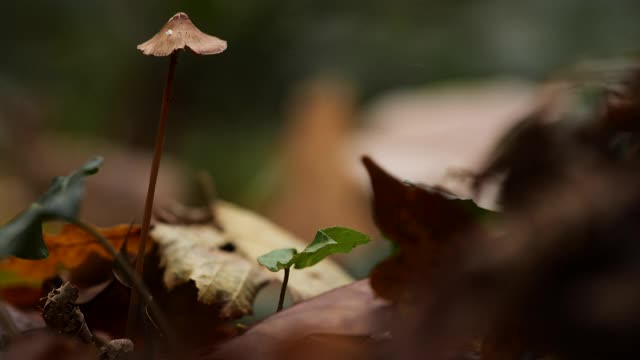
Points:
(69, 249)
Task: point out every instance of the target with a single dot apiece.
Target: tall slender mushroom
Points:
(179, 33)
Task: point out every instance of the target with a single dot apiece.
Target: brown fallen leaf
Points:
(47, 346)
(421, 222)
(70, 249)
(351, 311)
(335, 347)
(23, 320)
(223, 264)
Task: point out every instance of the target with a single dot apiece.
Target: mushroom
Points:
(179, 33)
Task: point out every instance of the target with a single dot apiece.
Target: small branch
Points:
(136, 281)
(283, 289)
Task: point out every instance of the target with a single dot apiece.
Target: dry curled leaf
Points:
(223, 263)
(222, 278)
(422, 222)
(69, 249)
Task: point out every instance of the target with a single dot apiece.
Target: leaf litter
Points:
(554, 276)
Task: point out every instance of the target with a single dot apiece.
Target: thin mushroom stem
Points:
(153, 177)
(283, 289)
(134, 278)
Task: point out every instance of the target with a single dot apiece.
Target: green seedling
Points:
(327, 242)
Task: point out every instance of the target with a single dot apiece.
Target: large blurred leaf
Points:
(22, 236)
(423, 222)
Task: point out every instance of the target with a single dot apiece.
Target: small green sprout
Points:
(327, 242)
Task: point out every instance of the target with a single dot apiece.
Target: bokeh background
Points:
(280, 119)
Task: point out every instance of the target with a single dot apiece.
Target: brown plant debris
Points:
(62, 315)
(118, 349)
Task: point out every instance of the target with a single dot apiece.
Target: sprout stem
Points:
(148, 204)
(283, 289)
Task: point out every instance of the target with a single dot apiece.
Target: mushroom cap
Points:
(180, 33)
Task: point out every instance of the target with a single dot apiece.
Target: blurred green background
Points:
(78, 61)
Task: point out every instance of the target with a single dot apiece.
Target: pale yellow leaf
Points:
(194, 252)
(224, 279)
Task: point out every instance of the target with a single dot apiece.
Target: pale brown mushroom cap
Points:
(180, 33)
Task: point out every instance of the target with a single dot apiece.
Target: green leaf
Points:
(63, 197)
(277, 260)
(22, 236)
(327, 242)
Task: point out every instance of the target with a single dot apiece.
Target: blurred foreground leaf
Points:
(22, 236)
(422, 222)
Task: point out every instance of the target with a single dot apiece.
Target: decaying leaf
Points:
(352, 310)
(199, 252)
(22, 236)
(421, 221)
(69, 249)
(223, 279)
